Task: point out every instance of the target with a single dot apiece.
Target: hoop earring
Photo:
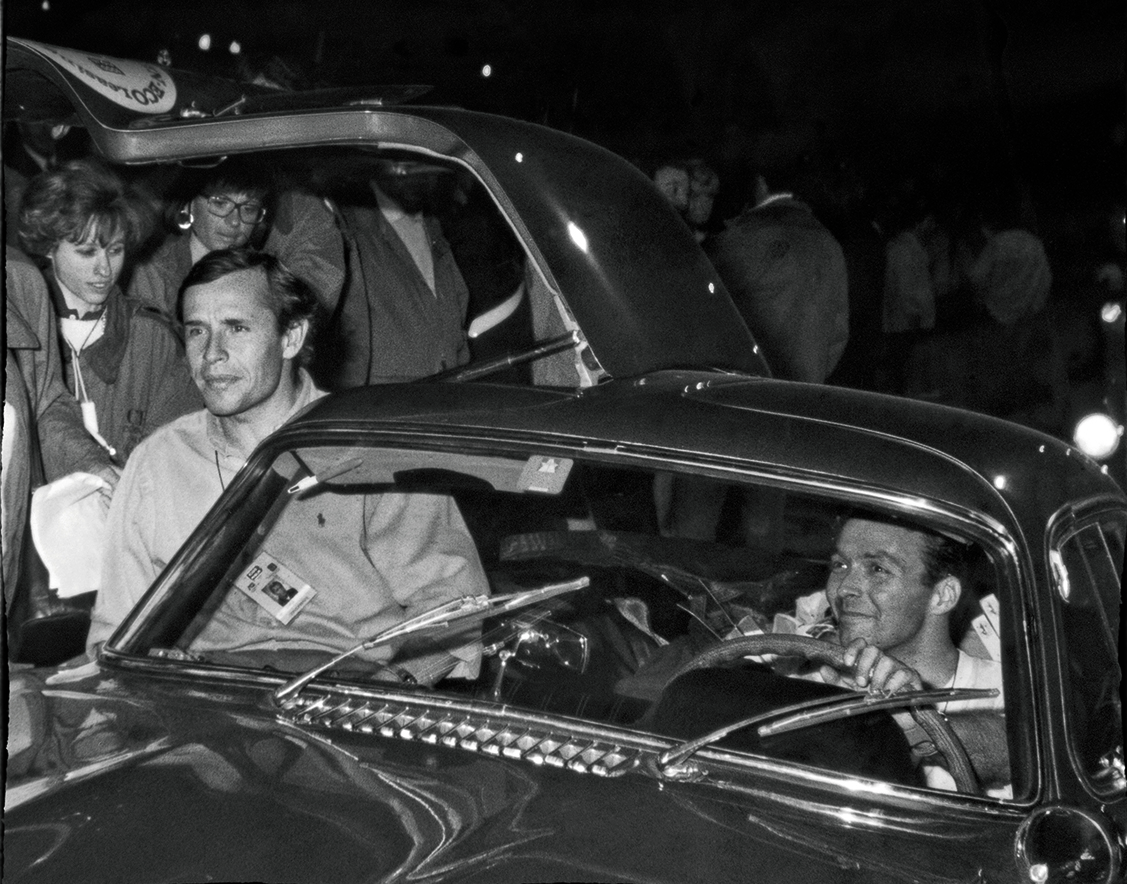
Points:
(184, 217)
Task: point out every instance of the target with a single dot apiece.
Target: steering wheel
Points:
(937, 727)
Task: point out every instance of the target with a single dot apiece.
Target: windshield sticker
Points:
(544, 474)
(275, 588)
(139, 86)
(986, 626)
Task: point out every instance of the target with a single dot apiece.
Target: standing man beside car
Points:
(403, 311)
(247, 321)
(787, 274)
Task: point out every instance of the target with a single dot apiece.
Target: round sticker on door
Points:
(138, 86)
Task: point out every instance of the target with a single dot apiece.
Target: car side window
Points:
(1088, 563)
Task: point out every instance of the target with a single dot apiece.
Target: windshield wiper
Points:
(457, 612)
(818, 711)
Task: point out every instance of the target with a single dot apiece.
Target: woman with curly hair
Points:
(122, 359)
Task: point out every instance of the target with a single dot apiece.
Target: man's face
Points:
(876, 587)
(237, 356)
(674, 183)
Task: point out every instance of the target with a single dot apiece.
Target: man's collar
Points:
(390, 209)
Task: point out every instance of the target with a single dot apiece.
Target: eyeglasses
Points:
(250, 212)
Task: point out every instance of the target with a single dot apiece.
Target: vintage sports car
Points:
(618, 689)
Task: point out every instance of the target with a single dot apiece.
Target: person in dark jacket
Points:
(403, 312)
(41, 418)
(787, 275)
(122, 359)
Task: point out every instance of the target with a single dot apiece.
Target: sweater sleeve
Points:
(422, 547)
(130, 565)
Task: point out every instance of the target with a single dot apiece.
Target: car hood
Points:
(125, 777)
(620, 263)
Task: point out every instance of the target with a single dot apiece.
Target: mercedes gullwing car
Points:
(610, 659)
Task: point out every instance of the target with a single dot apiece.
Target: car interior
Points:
(616, 651)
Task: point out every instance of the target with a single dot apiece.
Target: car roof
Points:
(965, 461)
(622, 263)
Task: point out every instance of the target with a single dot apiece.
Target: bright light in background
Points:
(235, 48)
(1000, 482)
(1097, 435)
(487, 70)
(520, 157)
(204, 42)
(46, 6)
(577, 236)
(1110, 312)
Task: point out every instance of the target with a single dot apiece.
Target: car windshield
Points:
(319, 549)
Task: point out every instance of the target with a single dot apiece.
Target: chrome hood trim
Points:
(498, 733)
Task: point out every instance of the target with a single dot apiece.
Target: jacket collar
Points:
(105, 355)
(18, 334)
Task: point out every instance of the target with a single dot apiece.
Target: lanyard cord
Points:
(219, 473)
(79, 383)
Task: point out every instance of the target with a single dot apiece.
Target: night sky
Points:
(882, 83)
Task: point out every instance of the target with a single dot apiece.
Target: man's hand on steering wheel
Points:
(868, 667)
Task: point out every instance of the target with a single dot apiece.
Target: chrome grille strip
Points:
(457, 729)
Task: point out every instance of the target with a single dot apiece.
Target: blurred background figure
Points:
(999, 352)
(121, 359)
(704, 185)
(672, 179)
(218, 208)
(30, 148)
(787, 275)
(1008, 269)
(403, 312)
(908, 294)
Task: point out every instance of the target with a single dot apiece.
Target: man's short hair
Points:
(291, 299)
(942, 555)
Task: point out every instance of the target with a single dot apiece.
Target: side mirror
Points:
(547, 642)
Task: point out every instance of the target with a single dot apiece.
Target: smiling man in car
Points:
(892, 589)
(351, 564)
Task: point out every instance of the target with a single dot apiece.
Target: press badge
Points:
(275, 588)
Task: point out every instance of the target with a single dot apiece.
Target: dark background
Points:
(885, 84)
(1021, 97)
